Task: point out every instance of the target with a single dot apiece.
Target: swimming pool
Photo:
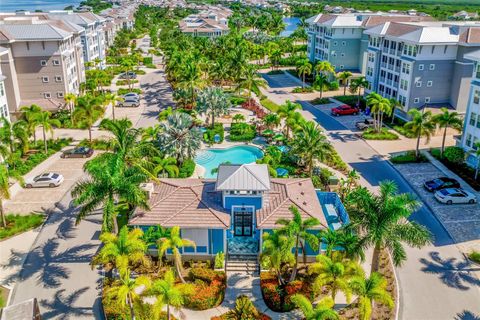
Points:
(212, 158)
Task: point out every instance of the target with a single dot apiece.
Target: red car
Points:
(344, 109)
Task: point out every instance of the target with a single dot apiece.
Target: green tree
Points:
(304, 67)
(383, 220)
(310, 144)
(112, 99)
(174, 242)
(88, 109)
(70, 100)
(378, 106)
(298, 229)
(179, 138)
(251, 81)
(127, 245)
(169, 293)
(191, 78)
(288, 111)
(421, 125)
(165, 167)
(322, 311)
(47, 124)
(356, 86)
(271, 121)
(345, 77)
(213, 102)
(324, 70)
(445, 120)
(277, 251)
(351, 245)
(109, 179)
(368, 290)
(238, 118)
(30, 114)
(14, 134)
(394, 105)
(334, 274)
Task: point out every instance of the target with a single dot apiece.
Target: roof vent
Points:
(304, 203)
(302, 193)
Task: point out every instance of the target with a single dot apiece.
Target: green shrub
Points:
(333, 86)
(235, 100)
(147, 60)
(124, 82)
(219, 260)
(96, 144)
(274, 72)
(408, 157)
(474, 256)
(140, 72)
(335, 161)
(20, 223)
(186, 169)
(384, 134)
(209, 289)
(242, 131)
(351, 100)
(122, 91)
(302, 90)
(270, 105)
(454, 155)
(209, 135)
(403, 131)
(318, 101)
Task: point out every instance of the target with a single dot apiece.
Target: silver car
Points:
(49, 179)
(129, 102)
(455, 196)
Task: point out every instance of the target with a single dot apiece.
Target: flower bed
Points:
(18, 223)
(244, 309)
(252, 105)
(209, 289)
(278, 298)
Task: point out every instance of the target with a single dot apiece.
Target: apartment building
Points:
(422, 64)
(340, 38)
(4, 112)
(41, 60)
(93, 36)
(208, 23)
(471, 128)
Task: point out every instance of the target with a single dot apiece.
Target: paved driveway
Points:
(461, 221)
(41, 199)
(435, 282)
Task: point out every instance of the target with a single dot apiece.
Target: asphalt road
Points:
(436, 281)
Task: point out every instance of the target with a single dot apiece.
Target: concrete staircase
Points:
(243, 263)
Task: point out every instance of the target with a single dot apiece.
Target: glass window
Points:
(429, 83)
(418, 84)
(478, 121)
(427, 99)
(432, 66)
(421, 67)
(476, 96)
(468, 141)
(2, 89)
(416, 100)
(473, 117)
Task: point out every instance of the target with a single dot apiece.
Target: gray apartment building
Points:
(421, 64)
(41, 60)
(340, 38)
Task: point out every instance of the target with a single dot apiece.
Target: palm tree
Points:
(382, 218)
(322, 311)
(88, 109)
(293, 123)
(213, 102)
(368, 290)
(335, 274)
(30, 115)
(47, 124)
(356, 85)
(127, 64)
(112, 98)
(298, 228)
(421, 125)
(15, 134)
(238, 118)
(324, 70)
(277, 251)
(191, 78)
(174, 242)
(446, 120)
(127, 292)
(251, 81)
(344, 76)
(4, 191)
(126, 245)
(179, 138)
(70, 100)
(378, 105)
(168, 292)
(310, 144)
(288, 112)
(109, 179)
(394, 105)
(271, 120)
(165, 166)
(304, 67)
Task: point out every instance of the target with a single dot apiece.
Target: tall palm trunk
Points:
(178, 261)
(44, 139)
(418, 146)
(90, 134)
(295, 267)
(345, 88)
(130, 304)
(443, 142)
(303, 83)
(375, 258)
(2, 214)
(168, 312)
(113, 110)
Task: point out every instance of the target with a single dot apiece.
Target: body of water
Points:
(32, 5)
(291, 25)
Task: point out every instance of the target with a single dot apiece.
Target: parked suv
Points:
(127, 75)
(365, 124)
(441, 183)
(129, 102)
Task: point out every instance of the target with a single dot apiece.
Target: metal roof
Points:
(40, 31)
(251, 177)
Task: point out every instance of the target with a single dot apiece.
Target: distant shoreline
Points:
(33, 5)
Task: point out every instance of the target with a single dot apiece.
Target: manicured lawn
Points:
(17, 224)
(269, 104)
(384, 134)
(408, 157)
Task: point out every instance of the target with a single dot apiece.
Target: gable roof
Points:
(252, 177)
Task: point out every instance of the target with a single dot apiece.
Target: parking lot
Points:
(462, 221)
(348, 121)
(42, 199)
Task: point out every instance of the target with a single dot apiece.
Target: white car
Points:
(455, 195)
(131, 96)
(49, 179)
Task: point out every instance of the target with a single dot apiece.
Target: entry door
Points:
(243, 223)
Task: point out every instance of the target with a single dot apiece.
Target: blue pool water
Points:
(212, 158)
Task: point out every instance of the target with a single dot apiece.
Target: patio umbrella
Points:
(267, 132)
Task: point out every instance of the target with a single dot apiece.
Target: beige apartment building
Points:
(41, 60)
